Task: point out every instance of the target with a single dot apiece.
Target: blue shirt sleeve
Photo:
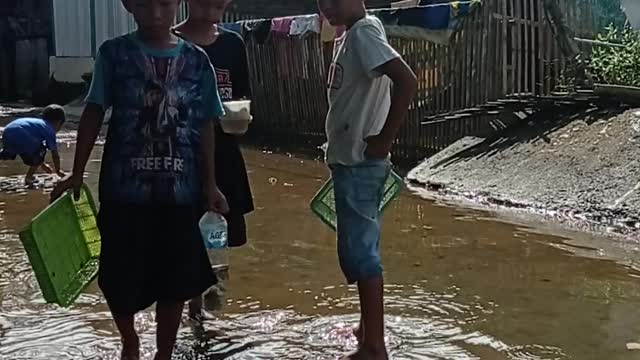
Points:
(213, 108)
(50, 139)
(101, 82)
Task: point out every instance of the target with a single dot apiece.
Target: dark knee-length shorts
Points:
(151, 254)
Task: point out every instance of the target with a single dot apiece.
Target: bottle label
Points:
(217, 239)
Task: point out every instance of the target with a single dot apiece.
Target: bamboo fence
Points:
(504, 48)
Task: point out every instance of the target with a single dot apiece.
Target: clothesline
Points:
(431, 22)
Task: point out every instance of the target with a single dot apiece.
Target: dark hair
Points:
(54, 113)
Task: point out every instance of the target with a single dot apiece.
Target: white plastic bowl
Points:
(237, 118)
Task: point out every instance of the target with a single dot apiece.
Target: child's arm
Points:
(90, 124)
(55, 157)
(405, 85)
(215, 200)
(98, 100)
(378, 58)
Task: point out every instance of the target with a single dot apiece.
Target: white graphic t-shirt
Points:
(359, 96)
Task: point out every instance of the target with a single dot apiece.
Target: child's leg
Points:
(195, 308)
(34, 161)
(358, 192)
(7, 155)
(168, 316)
(46, 168)
(372, 315)
(130, 340)
(29, 178)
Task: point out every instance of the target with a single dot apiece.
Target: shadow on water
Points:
(460, 285)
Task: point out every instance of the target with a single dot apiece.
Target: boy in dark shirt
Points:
(227, 53)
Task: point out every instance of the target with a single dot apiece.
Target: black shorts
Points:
(231, 173)
(232, 178)
(151, 254)
(35, 159)
(236, 230)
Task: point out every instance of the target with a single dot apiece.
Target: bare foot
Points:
(196, 316)
(195, 309)
(29, 181)
(365, 354)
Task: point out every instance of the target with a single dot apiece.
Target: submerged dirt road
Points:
(461, 284)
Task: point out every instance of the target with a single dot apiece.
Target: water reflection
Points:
(459, 286)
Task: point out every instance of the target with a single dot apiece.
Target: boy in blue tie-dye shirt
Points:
(158, 170)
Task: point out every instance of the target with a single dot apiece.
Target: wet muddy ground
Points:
(461, 284)
(579, 168)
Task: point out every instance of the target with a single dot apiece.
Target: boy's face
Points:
(153, 16)
(338, 12)
(210, 11)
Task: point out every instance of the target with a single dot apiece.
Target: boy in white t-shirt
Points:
(364, 118)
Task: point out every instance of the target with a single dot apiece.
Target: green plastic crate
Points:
(324, 206)
(63, 246)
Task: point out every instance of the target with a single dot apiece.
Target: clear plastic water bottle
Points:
(213, 228)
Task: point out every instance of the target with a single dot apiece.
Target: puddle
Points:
(460, 285)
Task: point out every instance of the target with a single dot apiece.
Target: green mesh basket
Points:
(324, 206)
(63, 246)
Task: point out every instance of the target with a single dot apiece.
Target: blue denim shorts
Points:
(358, 193)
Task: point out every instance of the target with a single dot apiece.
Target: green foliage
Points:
(617, 65)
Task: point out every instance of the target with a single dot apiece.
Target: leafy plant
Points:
(617, 65)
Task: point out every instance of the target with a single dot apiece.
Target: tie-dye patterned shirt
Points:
(160, 100)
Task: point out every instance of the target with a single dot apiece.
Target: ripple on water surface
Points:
(427, 326)
(461, 286)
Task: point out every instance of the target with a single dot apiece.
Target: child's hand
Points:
(378, 147)
(217, 202)
(70, 182)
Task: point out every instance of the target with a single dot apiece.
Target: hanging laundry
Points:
(329, 33)
(387, 17)
(431, 17)
(257, 29)
(428, 15)
(235, 27)
(302, 25)
(460, 9)
(281, 25)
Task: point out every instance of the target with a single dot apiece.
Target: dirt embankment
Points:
(582, 166)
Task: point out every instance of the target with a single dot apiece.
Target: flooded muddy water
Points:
(460, 285)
